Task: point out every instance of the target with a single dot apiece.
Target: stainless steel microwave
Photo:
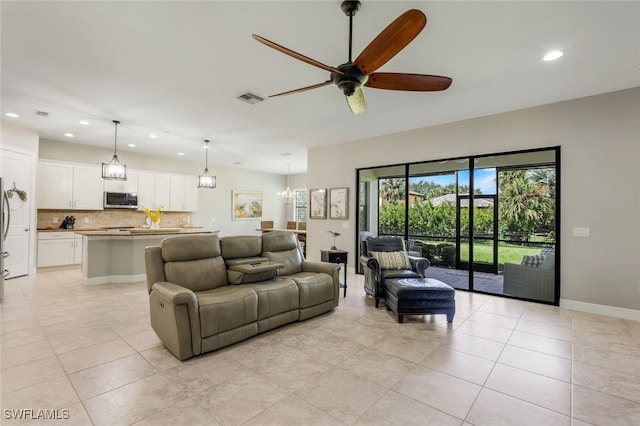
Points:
(120, 200)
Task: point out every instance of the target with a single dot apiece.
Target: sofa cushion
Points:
(315, 288)
(226, 308)
(191, 247)
(275, 296)
(392, 259)
(197, 275)
(239, 246)
(194, 262)
(534, 260)
(282, 247)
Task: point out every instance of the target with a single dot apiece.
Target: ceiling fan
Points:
(352, 75)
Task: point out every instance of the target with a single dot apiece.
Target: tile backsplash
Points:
(89, 220)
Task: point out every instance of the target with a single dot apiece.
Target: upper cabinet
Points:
(69, 186)
(129, 185)
(154, 190)
(184, 193)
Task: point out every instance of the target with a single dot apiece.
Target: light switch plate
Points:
(345, 224)
(581, 232)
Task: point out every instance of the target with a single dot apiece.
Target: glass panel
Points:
(434, 218)
(514, 219)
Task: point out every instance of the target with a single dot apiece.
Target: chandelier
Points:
(114, 170)
(205, 180)
(287, 195)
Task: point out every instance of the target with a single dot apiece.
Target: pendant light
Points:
(287, 195)
(114, 170)
(205, 180)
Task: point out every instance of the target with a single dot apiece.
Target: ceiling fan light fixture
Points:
(114, 169)
(206, 180)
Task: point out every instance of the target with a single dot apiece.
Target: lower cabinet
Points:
(59, 248)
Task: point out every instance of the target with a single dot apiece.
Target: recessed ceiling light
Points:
(132, 145)
(83, 122)
(69, 135)
(553, 55)
(152, 136)
(181, 153)
(12, 115)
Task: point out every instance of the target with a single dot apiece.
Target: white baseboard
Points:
(115, 279)
(592, 308)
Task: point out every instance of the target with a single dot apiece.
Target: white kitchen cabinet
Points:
(154, 190)
(56, 248)
(77, 249)
(162, 191)
(184, 193)
(69, 186)
(190, 193)
(146, 189)
(130, 185)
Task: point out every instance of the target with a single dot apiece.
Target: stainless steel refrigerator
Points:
(5, 218)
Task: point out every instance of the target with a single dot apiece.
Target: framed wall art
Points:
(247, 205)
(339, 203)
(317, 204)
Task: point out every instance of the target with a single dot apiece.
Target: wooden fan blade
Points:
(408, 82)
(357, 102)
(296, 55)
(303, 89)
(390, 41)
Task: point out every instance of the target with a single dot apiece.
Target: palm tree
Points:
(524, 205)
(392, 190)
(546, 177)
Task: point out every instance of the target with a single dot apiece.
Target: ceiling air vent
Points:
(250, 98)
(40, 113)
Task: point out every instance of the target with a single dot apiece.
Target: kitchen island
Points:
(112, 256)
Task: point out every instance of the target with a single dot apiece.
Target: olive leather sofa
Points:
(207, 292)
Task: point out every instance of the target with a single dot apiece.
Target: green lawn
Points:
(483, 253)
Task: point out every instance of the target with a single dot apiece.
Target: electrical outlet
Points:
(55, 220)
(86, 220)
(345, 224)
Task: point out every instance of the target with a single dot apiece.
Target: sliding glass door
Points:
(484, 222)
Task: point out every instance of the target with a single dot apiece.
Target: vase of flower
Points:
(153, 216)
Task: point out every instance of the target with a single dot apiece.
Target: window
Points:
(300, 205)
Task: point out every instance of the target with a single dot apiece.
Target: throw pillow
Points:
(533, 260)
(392, 259)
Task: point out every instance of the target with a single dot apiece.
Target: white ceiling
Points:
(175, 69)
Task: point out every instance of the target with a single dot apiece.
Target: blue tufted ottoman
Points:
(419, 296)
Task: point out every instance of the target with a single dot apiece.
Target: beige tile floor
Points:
(91, 351)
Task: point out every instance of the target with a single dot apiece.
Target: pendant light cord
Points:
(206, 156)
(115, 141)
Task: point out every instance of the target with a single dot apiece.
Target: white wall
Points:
(214, 205)
(600, 171)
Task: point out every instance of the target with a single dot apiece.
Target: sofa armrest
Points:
(175, 316)
(327, 268)
(175, 294)
(420, 265)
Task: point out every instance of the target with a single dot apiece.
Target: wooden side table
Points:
(337, 256)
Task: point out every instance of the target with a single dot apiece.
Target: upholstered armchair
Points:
(385, 258)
